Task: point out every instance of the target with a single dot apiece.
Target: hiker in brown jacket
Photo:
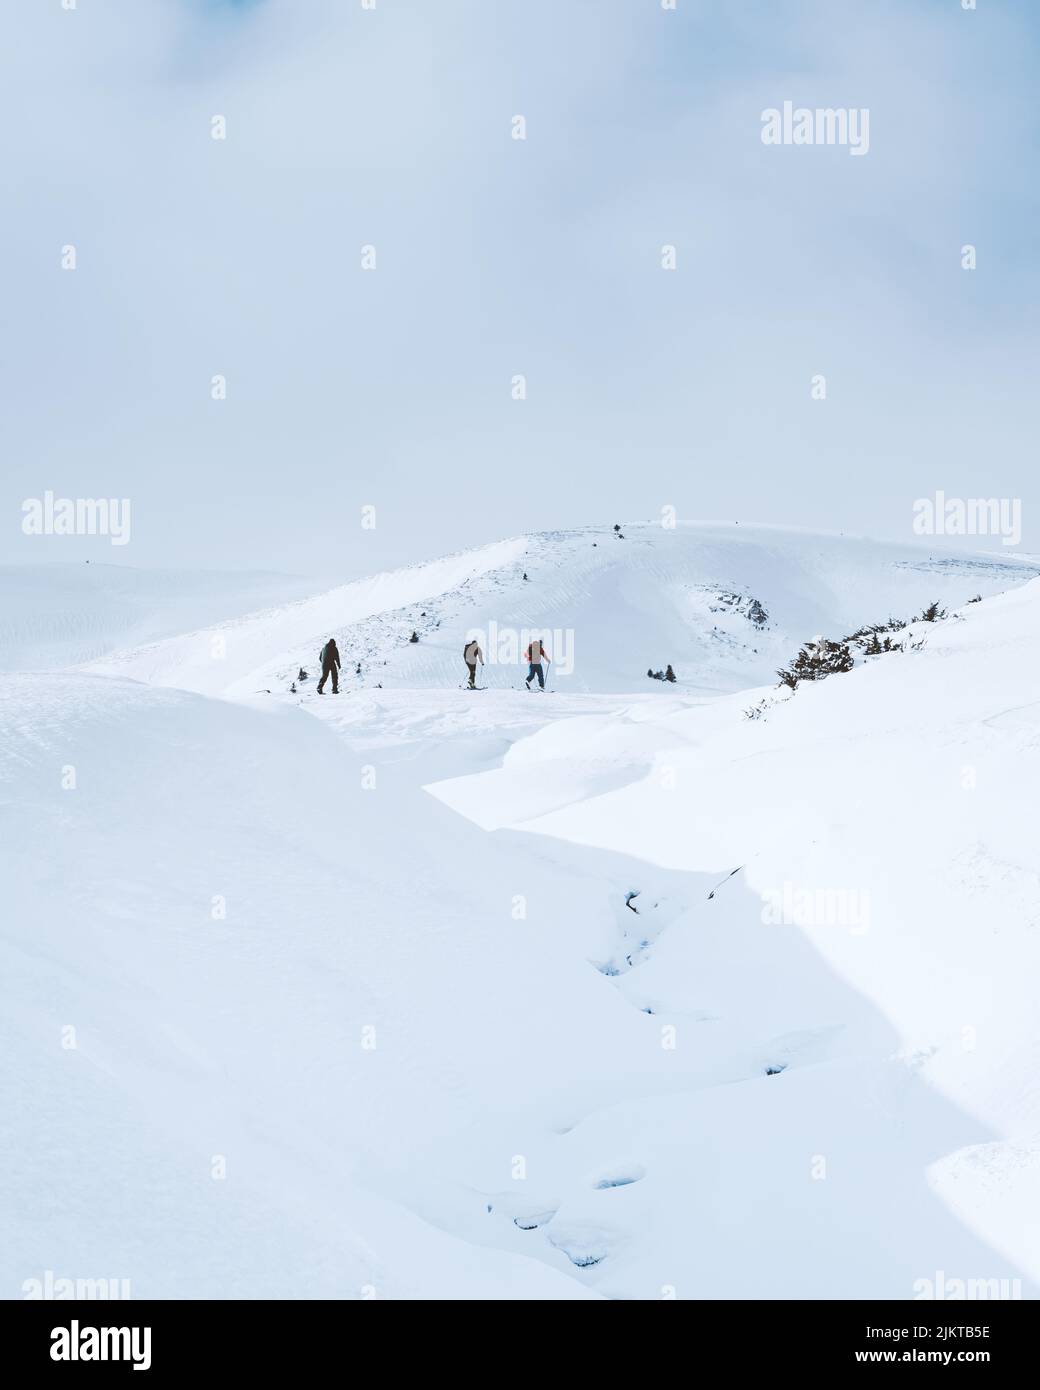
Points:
(329, 666)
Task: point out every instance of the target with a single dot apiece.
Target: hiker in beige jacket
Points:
(471, 654)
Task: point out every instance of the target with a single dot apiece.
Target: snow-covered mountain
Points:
(609, 992)
(682, 596)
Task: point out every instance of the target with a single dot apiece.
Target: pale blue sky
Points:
(495, 257)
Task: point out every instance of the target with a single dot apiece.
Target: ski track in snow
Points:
(628, 1088)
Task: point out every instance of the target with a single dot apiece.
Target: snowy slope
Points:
(498, 1040)
(236, 657)
(239, 1037)
(888, 805)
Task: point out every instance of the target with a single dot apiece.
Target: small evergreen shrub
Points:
(932, 614)
(816, 661)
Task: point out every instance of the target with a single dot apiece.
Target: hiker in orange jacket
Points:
(534, 656)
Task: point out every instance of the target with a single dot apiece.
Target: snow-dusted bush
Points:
(823, 658)
(816, 661)
(873, 638)
(932, 614)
